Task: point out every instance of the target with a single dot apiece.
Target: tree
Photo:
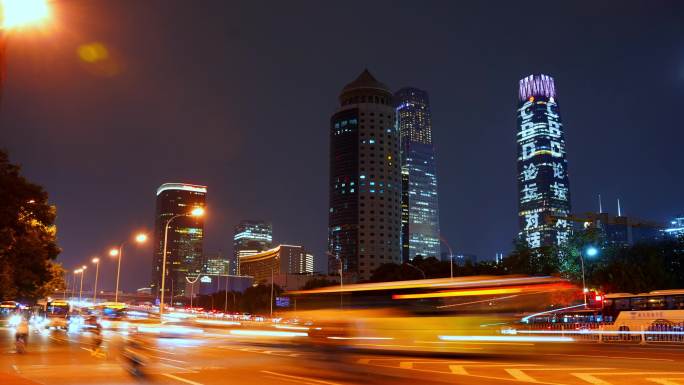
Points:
(28, 244)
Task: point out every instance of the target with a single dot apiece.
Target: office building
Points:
(623, 231)
(175, 201)
(250, 237)
(364, 216)
(543, 185)
(420, 213)
(675, 228)
(283, 259)
(215, 265)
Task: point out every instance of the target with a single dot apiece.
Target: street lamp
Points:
(196, 212)
(96, 261)
(15, 14)
(21, 13)
(591, 251)
(80, 290)
(139, 238)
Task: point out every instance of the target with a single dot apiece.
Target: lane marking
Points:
(665, 381)
(170, 359)
(470, 375)
(158, 350)
(181, 379)
(307, 379)
(590, 379)
(593, 379)
(184, 370)
(614, 357)
(520, 375)
(458, 369)
(406, 365)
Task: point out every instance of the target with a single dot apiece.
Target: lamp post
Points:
(80, 290)
(140, 238)
(591, 252)
(451, 257)
(192, 287)
(225, 300)
(196, 212)
(73, 282)
(96, 261)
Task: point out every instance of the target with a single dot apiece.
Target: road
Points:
(58, 358)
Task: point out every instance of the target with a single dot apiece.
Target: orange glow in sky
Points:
(20, 13)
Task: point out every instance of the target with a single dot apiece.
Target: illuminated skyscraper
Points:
(185, 236)
(543, 186)
(364, 218)
(249, 238)
(420, 213)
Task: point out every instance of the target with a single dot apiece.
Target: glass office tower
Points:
(250, 237)
(420, 214)
(543, 186)
(185, 237)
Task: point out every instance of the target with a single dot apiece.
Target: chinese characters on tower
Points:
(543, 186)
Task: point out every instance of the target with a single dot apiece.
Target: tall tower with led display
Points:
(364, 216)
(543, 186)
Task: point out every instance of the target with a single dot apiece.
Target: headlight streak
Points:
(216, 322)
(590, 331)
(267, 333)
(361, 338)
(290, 327)
(526, 318)
(505, 339)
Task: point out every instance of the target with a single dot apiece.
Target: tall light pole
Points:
(80, 291)
(66, 283)
(73, 282)
(192, 287)
(225, 301)
(591, 252)
(196, 212)
(451, 257)
(140, 238)
(96, 261)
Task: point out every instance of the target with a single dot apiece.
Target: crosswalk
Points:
(531, 372)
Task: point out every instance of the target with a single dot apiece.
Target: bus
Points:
(654, 316)
(424, 315)
(57, 314)
(655, 312)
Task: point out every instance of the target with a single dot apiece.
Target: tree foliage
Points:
(28, 244)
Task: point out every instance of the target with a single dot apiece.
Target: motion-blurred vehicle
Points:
(7, 310)
(424, 315)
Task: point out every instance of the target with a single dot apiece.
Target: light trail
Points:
(505, 339)
(267, 333)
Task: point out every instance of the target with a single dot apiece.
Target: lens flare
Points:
(20, 13)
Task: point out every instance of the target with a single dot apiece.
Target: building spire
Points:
(600, 205)
(619, 210)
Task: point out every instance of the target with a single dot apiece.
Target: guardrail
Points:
(604, 332)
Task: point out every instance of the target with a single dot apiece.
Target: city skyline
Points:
(221, 115)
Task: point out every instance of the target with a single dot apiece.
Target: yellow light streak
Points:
(458, 293)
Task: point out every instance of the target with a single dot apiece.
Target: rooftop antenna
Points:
(619, 211)
(600, 205)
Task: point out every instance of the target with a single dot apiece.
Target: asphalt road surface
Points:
(58, 358)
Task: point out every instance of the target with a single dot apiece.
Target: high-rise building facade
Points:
(543, 186)
(364, 219)
(250, 237)
(282, 259)
(215, 265)
(185, 236)
(420, 212)
(675, 228)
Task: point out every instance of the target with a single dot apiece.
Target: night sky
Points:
(238, 96)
